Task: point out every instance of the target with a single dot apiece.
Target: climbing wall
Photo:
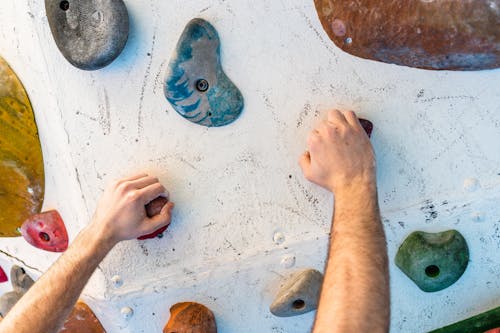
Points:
(245, 218)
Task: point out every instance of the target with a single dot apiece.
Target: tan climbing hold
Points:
(82, 320)
(190, 317)
(298, 294)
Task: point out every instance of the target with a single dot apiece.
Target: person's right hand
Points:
(339, 153)
(121, 213)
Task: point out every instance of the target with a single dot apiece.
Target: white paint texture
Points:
(236, 186)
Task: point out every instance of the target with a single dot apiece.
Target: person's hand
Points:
(339, 153)
(121, 212)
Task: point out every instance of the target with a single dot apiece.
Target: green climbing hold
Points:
(477, 324)
(434, 261)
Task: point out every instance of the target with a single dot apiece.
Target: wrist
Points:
(98, 231)
(355, 185)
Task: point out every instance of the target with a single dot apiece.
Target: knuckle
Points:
(350, 113)
(132, 196)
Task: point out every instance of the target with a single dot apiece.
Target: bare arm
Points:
(120, 215)
(355, 293)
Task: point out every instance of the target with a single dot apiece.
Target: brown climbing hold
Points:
(46, 231)
(82, 320)
(453, 35)
(190, 317)
(367, 126)
(154, 208)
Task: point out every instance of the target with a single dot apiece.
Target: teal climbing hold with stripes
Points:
(434, 261)
(196, 85)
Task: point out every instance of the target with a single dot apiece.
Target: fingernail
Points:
(165, 195)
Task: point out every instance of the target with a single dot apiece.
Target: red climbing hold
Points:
(367, 126)
(46, 231)
(154, 208)
(3, 276)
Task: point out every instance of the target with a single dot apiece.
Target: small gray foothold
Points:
(127, 312)
(117, 281)
(278, 238)
(21, 282)
(89, 33)
(299, 294)
(288, 261)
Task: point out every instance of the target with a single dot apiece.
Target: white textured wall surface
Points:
(236, 186)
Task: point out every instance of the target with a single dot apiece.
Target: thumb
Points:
(160, 220)
(305, 163)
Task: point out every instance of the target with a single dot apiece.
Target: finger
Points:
(158, 221)
(305, 162)
(327, 129)
(148, 193)
(130, 178)
(143, 182)
(336, 117)
(352, 119)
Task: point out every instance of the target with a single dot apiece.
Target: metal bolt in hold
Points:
(202, 85)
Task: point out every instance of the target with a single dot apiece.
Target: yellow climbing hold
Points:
(21, 161)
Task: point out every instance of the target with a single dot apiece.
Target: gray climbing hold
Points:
(434, 261)
(89, 33)
(196, 86)
(21, 282)
(298, 294)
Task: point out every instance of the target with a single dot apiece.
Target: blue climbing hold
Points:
(196, 85)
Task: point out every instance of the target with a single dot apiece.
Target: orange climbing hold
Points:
(190, 317)
(21, 163)
(46, 231)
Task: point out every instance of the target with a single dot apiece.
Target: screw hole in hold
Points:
(432, 271)
(64, 5)
(210, 114)
(44, 236)
(202, 85)
(298, 304)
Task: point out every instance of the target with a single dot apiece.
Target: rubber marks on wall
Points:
(298, 294)
(453, 35)
(46, 231)
(434, 261)
(90, 34)
(195, 84)
(190, 317)
(154, 208)
(22, 178)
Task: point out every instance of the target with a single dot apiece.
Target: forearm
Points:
(46, 305)
(355, 294)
